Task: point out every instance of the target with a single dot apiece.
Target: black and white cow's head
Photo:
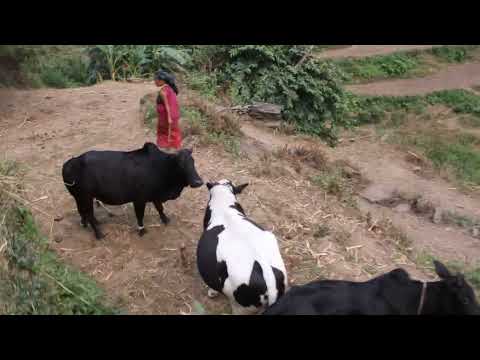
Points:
(223, 194)
(186, 163)
(226, 187)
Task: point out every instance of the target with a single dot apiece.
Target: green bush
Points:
(308, 90)
(204, 83)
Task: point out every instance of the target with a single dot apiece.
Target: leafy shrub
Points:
(308, 90)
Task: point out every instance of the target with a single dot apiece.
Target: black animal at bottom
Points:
(393, 293)
(120, 177)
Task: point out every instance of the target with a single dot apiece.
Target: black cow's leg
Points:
(159, 207)
(91, 218)
(81, 210)
(139, 212)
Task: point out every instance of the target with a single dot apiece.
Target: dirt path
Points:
(359, 51)
(462, 76)
(388, 174)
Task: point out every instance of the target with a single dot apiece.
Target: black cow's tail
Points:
(71, 171)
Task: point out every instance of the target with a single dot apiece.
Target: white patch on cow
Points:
(212, 293)
(241, 244)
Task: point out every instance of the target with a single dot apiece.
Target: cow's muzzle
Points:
(196, 183)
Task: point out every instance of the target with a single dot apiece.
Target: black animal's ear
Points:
(190, 151)
(459, 281)
(209, 185)
(238, 189)
(441, 270)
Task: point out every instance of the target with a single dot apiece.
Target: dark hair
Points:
(168, 78)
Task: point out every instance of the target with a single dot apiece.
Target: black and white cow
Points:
(120, 177)
(236, 257)
(393, 293)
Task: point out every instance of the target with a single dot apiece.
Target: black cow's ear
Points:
(238, 189)
(441, 270)
(209, 185)
(190, 151)
(459, 281)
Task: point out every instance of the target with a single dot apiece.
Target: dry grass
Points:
(265, 167)
(313, 157)
(217, 121)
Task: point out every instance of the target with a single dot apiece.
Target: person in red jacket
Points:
(169, 136)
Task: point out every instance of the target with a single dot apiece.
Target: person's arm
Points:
(167, 108)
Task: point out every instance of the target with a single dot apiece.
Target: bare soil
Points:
(359, 51)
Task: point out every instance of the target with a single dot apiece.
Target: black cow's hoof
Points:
(83, 223)
(99, 236)
(142, 232)
(165, 220)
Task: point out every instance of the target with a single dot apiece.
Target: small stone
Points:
(58, 239)
(402, 208)
(437, 216)
(417, 169)
(476, 232)
(58, 218)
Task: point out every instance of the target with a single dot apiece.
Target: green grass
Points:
(458, 154)
(380, 67)
(373, 109)
(404, 64)
(33, 280)
(461, 101)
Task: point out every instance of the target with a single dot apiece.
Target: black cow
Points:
(393, 293)
(118, 177)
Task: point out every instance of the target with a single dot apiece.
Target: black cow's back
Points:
(117, 177)
(330, 298)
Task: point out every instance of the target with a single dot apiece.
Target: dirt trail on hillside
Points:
(359, 51)
(389, 173)
(464, 76)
